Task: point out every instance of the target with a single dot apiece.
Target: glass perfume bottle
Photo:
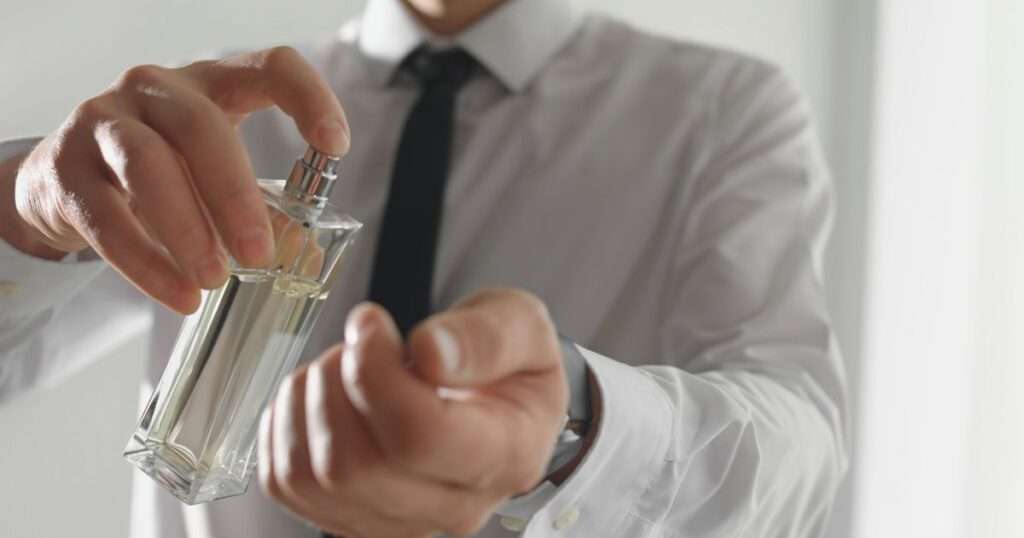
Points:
(197, 435)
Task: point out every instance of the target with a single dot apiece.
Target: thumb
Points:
(485, 338)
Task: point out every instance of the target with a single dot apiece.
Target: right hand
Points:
(152, 175)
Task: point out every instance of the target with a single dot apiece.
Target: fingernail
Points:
(254, 247)
(210, 273)
(447, 348)
(334, 134)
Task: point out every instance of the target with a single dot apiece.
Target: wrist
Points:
(13, 229)
(589, 433)
(582, 415)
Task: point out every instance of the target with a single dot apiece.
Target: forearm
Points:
(731, 451)
(13, 229)
(62, 317)
(39, 340)
(752, 452)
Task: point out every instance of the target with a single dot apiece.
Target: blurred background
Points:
(918, 104)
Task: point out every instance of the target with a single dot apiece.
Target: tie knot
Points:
(450, 68)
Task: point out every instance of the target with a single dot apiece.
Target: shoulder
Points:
(713, 75)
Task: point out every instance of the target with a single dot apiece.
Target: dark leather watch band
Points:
(579, 390)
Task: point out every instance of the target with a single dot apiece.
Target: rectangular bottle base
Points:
(177, 475)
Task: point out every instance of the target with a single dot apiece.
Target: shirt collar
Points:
(513, 42)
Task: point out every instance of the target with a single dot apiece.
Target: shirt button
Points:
(513, 524)
(567, 518)
(8, 288)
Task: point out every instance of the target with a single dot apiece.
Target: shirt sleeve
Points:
(45, 307)
(741, 430)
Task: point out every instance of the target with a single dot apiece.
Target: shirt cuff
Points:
(631, 442)
(30, 285)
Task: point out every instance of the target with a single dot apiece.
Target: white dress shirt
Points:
(667, 200)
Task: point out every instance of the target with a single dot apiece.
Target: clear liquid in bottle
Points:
(197, 435)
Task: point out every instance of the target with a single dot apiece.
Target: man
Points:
(661, 204)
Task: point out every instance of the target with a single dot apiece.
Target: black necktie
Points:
(403, 267)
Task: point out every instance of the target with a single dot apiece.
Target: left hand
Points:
(378, 438)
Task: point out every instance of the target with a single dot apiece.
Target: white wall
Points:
(60, 453)
(66, 451)
(943, 408)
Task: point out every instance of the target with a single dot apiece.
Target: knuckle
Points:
(534, 319)
(140, 76)
(117, 130)
(529, 304)
(89, 112)
(521, 300)
(197, 68)
(479, 333)
(279, 57)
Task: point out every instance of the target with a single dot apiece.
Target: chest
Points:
(575, 194)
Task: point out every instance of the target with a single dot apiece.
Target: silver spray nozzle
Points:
(312, 177)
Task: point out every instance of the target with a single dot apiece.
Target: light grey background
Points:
(60, 466)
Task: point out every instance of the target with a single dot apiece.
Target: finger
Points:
(102, 216)
(292, 470)
(277, 76)
(347, 459)
(488, 337)
(439, 438)
(333, 428)
(343, 455)
(265, 455)
(217, 161)
(271, 459)
(151, 173)
(287, 471)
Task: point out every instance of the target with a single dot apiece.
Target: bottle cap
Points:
(312, 177)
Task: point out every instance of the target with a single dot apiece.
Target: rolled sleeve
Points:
(31, 290)
(30, 285)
